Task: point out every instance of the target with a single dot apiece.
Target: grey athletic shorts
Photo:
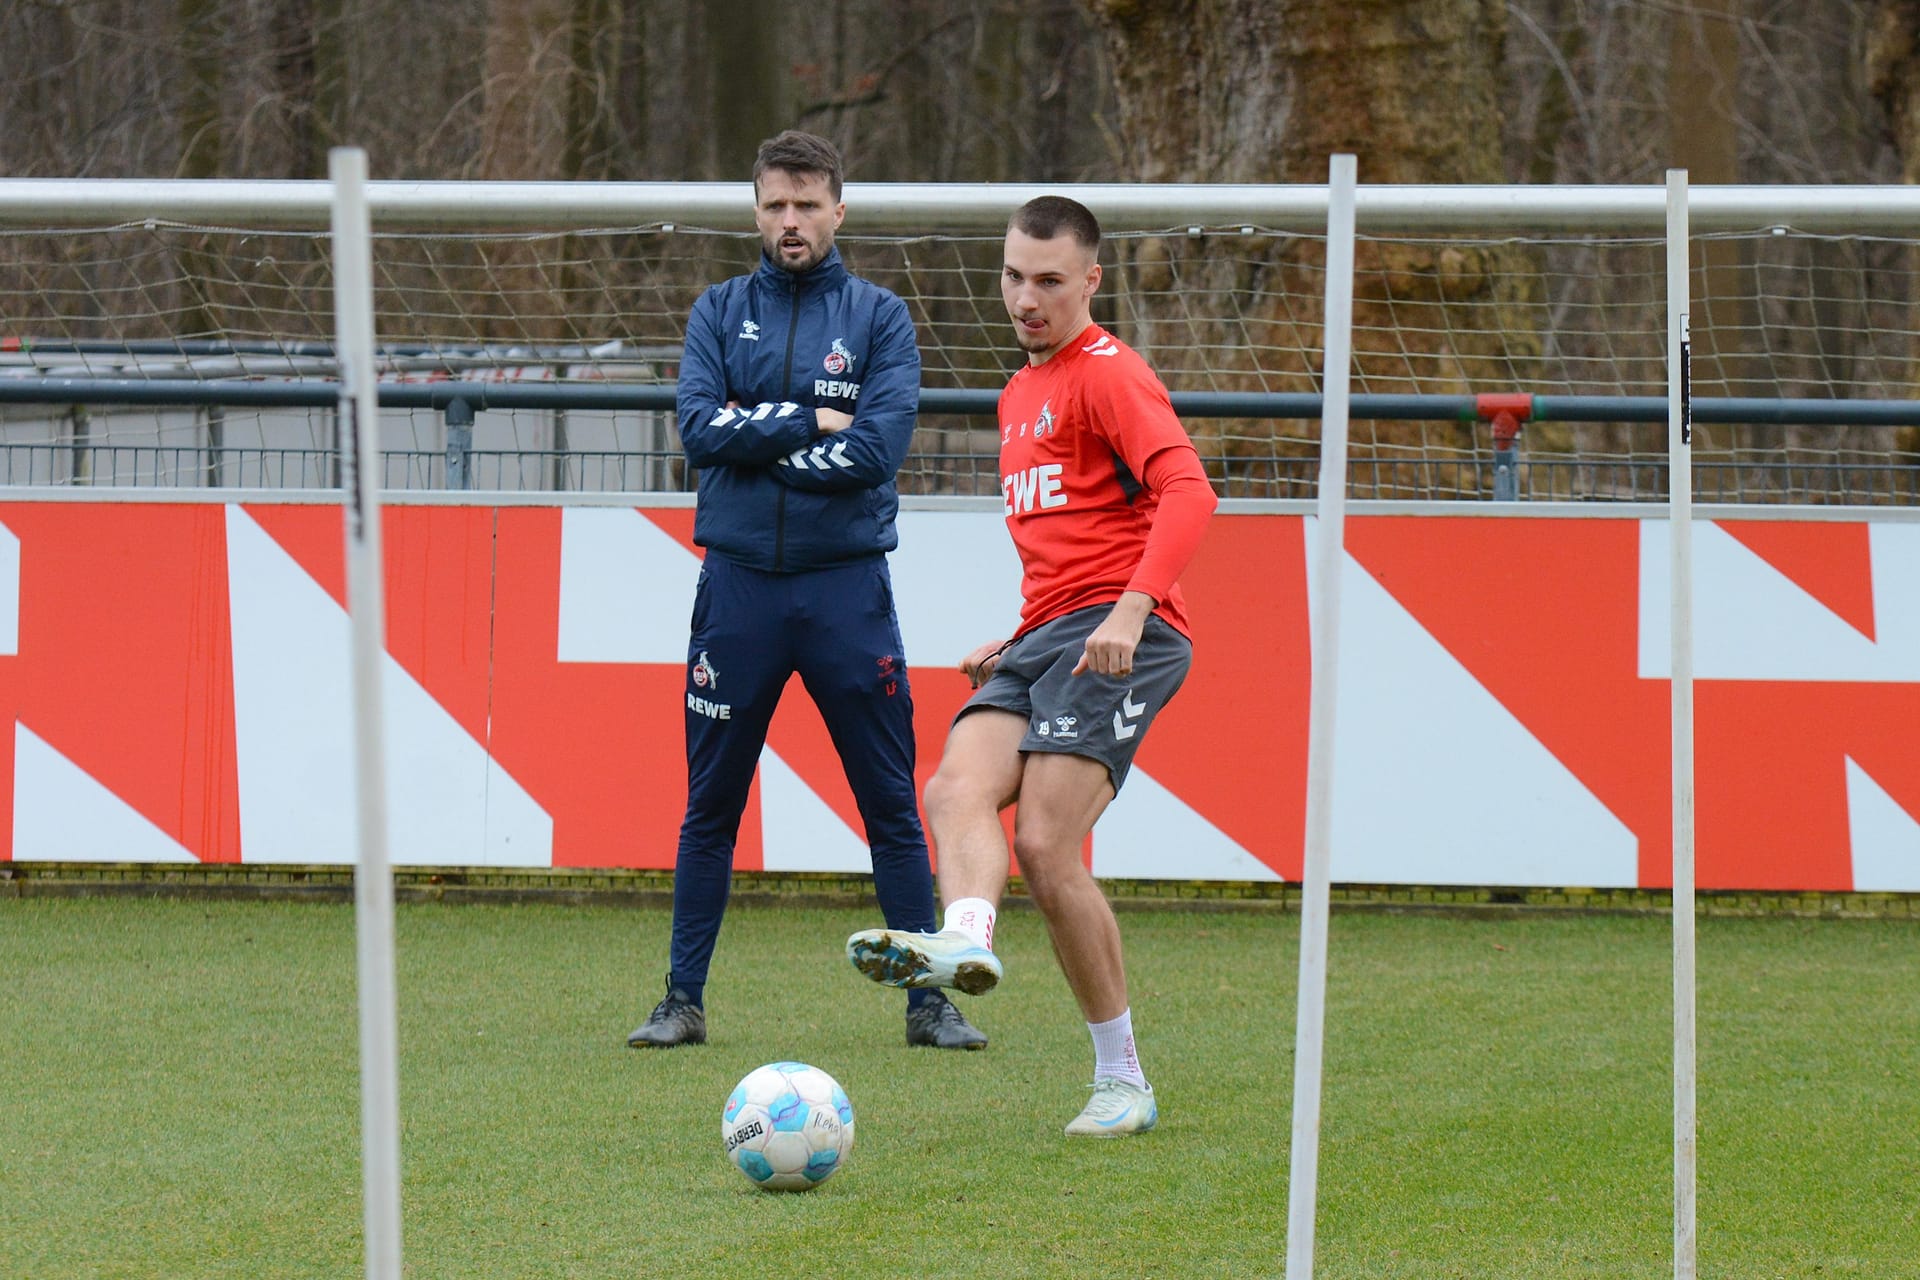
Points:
(1100, 717)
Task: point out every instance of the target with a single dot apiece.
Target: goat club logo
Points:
(838, 360)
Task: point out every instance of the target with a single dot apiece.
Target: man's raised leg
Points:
(979, 775)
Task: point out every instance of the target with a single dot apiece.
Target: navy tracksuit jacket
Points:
(797, 525)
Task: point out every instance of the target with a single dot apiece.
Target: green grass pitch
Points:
(181, 1099)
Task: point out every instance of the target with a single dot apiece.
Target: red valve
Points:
(1508, 411)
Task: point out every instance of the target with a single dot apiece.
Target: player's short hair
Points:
(799, 153)
(1045, 217)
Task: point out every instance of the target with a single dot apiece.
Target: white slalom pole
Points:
(359, 419)
(1680, 619)
(1310, 1032)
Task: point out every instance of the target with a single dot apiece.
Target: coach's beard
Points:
(810, 256)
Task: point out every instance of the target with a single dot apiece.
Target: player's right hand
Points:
(979, 664)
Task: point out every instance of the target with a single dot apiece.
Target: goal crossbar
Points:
(876, 207)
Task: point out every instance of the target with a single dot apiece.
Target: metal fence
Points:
(189, 445)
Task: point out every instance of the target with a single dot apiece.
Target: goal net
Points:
(1799, 321)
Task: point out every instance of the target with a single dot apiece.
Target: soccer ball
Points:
(787, 1126)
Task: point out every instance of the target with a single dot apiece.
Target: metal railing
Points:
(1501, 471)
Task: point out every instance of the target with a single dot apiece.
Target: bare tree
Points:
(202, 88)
(1703, 77)
(1055, 90)
(749, 85)
(1893, 75)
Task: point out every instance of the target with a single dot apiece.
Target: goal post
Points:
(1335, 318)
(359, 416)
(1316, 890)
(1680, 612)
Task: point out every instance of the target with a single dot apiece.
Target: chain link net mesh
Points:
(1777, 315)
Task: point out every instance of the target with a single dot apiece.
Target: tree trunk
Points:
(328, 117)
(201, 155)
(522, 130)
(629, 158)
(305, 84)
(749, 80)
(523, 139)
(594, 34)
(1254, 91)
(1047, 51)
(1703, 76)
(1893, 73)
(201, 88)
(1892, 44)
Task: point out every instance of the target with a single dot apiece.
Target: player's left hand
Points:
(1109, 650)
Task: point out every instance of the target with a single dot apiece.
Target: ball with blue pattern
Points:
(787, 1126)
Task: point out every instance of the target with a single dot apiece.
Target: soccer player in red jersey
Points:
(1107, 502)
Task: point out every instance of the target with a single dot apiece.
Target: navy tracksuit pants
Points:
(752, 630)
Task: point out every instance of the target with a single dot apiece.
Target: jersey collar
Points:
(824, 274)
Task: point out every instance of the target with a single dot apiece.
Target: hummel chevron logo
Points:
(818, 457)
(1102, 346)
(740, 417)
(1124, 728)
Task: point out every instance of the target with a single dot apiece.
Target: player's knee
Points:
(950, 792)
(1049, 863)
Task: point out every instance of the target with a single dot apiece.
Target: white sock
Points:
(973, 917)
(1113, 1051)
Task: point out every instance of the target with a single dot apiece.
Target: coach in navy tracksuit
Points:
(797, 396)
